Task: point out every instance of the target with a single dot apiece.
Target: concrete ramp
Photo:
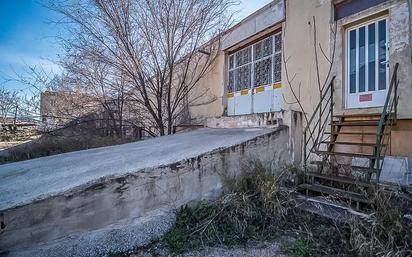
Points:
(56, 197)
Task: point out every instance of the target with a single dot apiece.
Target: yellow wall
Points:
(299, 53)
(206, 99)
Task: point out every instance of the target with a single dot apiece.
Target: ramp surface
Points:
(24, 182)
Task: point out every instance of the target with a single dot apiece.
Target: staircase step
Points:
(340, 179)
(356, 133)
(357, 115)
(350, 143)
(346, 166)
(356, 197)
(355, 123)
(360, 155)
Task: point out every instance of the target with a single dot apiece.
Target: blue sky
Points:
(28, 37)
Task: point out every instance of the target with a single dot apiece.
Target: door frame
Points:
(381, 94)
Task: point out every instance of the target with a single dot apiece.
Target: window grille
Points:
(257, 65)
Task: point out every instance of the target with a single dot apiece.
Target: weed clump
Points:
(254, 205)
(387, 232)
(260, 205)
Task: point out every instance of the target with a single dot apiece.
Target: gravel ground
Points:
(119, 238)
(256, 249)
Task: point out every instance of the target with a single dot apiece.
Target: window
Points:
(367, 57)
(256, 65)
(262, 53)
(367, 61)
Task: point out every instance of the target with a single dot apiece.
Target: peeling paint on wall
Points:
(399, 32)
(410, 26)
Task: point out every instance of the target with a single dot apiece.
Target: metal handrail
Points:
(384, 119)
(321, 122)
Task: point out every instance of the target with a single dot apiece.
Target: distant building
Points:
(70, 112)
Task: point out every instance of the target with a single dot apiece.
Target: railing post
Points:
(331, 109)
(320, 115)
(396, 94)
(385, 116)
(304, 149)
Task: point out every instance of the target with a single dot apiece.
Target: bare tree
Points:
(36, 80)
(9, 104)
(105, 89)
(160, 49)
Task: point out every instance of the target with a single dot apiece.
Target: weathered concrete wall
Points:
(400, 52)
(292, 119)
(397, 170)
(255, 23)
(120, 199)
(410, 26)
(247, 121)
(139, 232)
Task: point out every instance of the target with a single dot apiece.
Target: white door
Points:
(367, 71)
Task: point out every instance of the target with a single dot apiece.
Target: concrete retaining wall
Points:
(121, 199)
(257, 120)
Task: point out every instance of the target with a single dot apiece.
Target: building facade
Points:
(279, 59)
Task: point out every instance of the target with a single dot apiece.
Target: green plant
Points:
(176, 239)
(299, 248)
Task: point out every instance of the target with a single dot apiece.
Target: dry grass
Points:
(254, 204)
(260, 205)
(387, 233)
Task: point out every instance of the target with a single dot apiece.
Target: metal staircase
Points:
(344, 154)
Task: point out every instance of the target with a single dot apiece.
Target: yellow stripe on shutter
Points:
(259, 89)
(244, 92)
(277, 85)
